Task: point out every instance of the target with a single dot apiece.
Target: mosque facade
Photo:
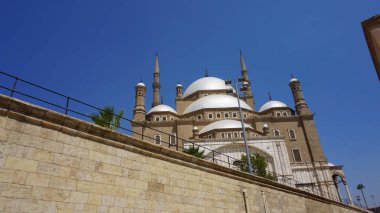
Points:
(207, 114)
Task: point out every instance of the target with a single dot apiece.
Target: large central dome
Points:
(216, 102)
(206, 83)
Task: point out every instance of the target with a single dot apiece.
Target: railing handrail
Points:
(67, 109)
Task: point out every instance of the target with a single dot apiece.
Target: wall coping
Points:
(33, 114)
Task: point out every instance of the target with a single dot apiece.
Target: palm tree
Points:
(361, 187)
(259, 165)
(107, 117)
(195, 152)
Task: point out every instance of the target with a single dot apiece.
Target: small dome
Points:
(216, 102)
(179, 85)
(293, 79)
(206, 83)
(224, 124)
(140, 84)
(272, 104)
(162, 108)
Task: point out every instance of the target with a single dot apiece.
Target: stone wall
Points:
(50, 162)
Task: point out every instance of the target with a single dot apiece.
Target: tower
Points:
(248, 97)
(139, 109)
(299, 100)
(156, 83)
(179, 89)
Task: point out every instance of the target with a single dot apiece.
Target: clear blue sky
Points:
(98, 50)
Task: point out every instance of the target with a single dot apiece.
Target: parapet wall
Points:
(50, 162)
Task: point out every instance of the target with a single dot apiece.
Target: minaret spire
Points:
(156, 83)
(242, 63)
(248, 97)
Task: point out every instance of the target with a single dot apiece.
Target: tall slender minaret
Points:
(156, 83)
(139, 109)
(299, 100)
(248, 97)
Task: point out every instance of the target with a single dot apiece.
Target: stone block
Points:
(48, 169)
(75, 151)
(19, 177)
(57, 195)
(90, 208)
(4, 135)
(15, 190)
(113, 170)
(31, 129)
(6, 175)
(52, 146)
(79, 197)
(107, 200)
(87, 164)
(20, 164)
(43, 156)
(49, 134)
(115, 209)
(14, 125)
(32, 206)
(37, 180)
(62, 183)
(95, 199)
(97, 156)
(65, 160)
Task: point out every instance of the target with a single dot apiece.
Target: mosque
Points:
(207, 114)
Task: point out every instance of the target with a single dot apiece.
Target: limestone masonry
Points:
(50, 162)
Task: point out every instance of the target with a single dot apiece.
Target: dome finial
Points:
(162, 99)
(291, 75)
(269, 96)
(140, 80)
(206, 72)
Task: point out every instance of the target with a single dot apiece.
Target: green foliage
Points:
(195, 152)
(107, 117)
(259, 166)
(360, 187)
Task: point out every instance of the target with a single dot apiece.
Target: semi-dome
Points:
(216, 102)
(224, 124)
(140, 84)
(206, 83)
(272, 104)
(162, 108)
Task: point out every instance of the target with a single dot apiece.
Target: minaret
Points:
(179, 89)
(248, 97)
(139, 109)
(156, 83)
(299, 100)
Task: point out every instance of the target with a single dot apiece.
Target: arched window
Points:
(276, 132)
(157, 118)
(292, 134)
(157, 139)
(278, 114)
(285, 114)
(199, 117)
(173, 138)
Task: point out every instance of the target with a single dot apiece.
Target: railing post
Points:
(213, 156)
(169, 140)
(228, 159)
(67, 104)
(14, 86)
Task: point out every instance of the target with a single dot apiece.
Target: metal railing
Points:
(67, 107)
